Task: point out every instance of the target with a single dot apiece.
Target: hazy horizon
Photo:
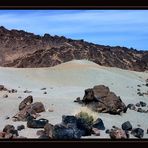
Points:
(128, 28)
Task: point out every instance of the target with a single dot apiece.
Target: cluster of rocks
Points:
(9, 132)
(45, 92)
(2, 88)
(139, 91)
(74, 127)
(138, 107)
(125, 131)
(101, 99)
(27, 108)
(71, 127)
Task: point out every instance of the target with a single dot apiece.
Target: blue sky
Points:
(127, 28)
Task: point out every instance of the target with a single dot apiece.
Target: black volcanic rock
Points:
(127, 126)
(23, 49)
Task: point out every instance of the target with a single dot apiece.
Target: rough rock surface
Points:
(100, 99)
(22, 49)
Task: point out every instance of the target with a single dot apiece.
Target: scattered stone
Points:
(27, 91)
(117, 133)
(143, 104)
(96, 131)
(138, 104)
(6, 118)
(127, 126)
(19, 97)
(48, 129)
(140, 94)
(131, 106)
(99, 124)
(78, 100)
(40, 132)
(28, 110)
(69, 121)
(24, 114)
(10, 129)
(45, 92)
(138, 132)
(25, 102)
(114, 126)
(38, 107)
(146, 111)
(50, 110)
(9, 136)
(2, 135)
(20, 127)
(84, 127)
(140, 110)
(138, 89)
(43, 88)
(5, 96)
(13, 91)
(2, 87)
(107, 131)
(139, 85)
(32, 123)
(62, 132)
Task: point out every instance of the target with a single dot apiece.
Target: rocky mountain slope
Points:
(21, 49)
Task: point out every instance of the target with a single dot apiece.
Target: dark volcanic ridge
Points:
(22, 49)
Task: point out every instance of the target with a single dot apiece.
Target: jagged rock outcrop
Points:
(23, 49)
(101, 99)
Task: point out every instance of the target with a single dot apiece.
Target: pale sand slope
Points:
(64, 84)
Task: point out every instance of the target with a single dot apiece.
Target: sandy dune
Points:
(66, 82)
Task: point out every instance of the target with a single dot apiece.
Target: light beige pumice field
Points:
(64, 83)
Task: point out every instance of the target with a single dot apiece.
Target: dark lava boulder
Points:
(10, 131)
(38, 107)
(25, 102)
(69, 121)
(24, 114)
(62, 132)
(117, 133)
(20, 127)
(28, 108)
(143, 104)
(2, 88)
(131, 107)
(99, 124)
(48, 129)
(84, 127)
(138, 132)
(127, 126)
(100, 91)
(100, 99)
(137, 104)
(32, 123)
(9, 128)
